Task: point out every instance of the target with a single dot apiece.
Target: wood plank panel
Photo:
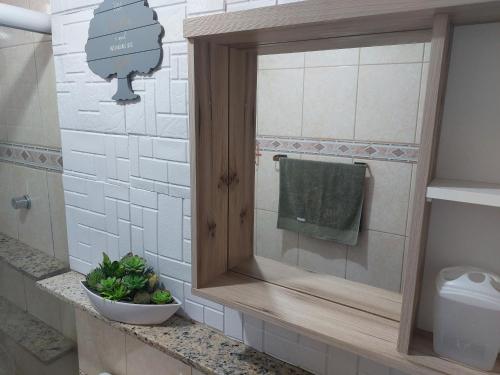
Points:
(326, 18)
(361, 333)
(242, 123)
(348, 293)
(210, 123)
(433, 109)
(404, 37)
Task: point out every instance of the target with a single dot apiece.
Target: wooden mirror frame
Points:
(223, 52)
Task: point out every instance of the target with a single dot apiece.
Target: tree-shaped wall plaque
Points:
(124, 38)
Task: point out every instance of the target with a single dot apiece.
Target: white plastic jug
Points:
(467, 316)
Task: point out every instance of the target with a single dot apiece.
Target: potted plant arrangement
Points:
(129, 291)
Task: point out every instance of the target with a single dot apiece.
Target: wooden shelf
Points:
(465, 192)
(348, 293)
(353, 330)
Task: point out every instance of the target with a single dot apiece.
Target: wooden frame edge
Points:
(433, 109)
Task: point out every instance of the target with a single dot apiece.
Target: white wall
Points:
(126, 175)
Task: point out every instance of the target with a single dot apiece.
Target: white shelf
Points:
(480, 193)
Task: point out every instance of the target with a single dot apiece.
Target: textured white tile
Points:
(175, 269)
(172, 126)
(170, 224)
(143, 198)
(179, 173)
(312, 355)
(170, 149)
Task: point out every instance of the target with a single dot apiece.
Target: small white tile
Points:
(233, 323)
(199, 300)
(281, 61)
(253, 332)
(341, 362)
(336, 57)
(153, 169)
(368, 367)
(194, 310)
(214, 318)
(175, 286)
(398, 53)
(312, 355)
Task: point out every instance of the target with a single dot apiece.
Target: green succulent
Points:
(107, 285)
(94, 277)
(161, 297)
(112, 289)
(142, 297)
(111, 269)
(134, 281)
(133, 264)
(119, 292)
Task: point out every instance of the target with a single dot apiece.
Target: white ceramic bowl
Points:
(132, 313)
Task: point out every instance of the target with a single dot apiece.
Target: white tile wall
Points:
(126, 176)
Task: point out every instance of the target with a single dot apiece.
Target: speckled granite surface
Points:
(31, 262)
(194, 344)
(36, 337)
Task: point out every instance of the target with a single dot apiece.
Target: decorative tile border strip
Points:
(353, 149)
(32, 156)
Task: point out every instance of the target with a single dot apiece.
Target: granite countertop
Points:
(33, 263)
(195, 344)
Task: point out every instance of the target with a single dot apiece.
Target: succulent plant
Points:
(107, 285)
(161, 297)
(142, 297)
(129, 280)
(111, 269)
(134, 281)
(133, 264)
(94, 278)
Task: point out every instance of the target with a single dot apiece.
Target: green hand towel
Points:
(322, 200)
